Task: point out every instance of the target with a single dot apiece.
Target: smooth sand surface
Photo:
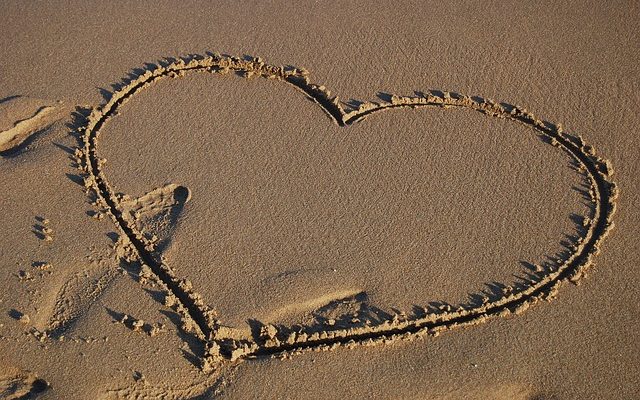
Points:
(226, 227)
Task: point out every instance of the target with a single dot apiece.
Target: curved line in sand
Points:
(603, 193)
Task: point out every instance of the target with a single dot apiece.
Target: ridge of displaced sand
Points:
(181, 295)
(18, 132)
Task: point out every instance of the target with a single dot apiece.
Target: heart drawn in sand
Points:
(220, 344)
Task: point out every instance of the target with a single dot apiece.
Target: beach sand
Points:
(319, 200)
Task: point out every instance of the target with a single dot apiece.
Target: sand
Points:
(423, 201)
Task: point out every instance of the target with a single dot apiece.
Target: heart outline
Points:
(218, 347)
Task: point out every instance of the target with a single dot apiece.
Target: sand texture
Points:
(410, 201)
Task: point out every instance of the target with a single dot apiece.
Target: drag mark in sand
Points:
(222, 346)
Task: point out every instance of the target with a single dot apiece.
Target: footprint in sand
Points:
(22, 385)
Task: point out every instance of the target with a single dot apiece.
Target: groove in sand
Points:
(221, 347)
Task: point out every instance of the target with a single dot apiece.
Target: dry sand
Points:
(350, 215)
